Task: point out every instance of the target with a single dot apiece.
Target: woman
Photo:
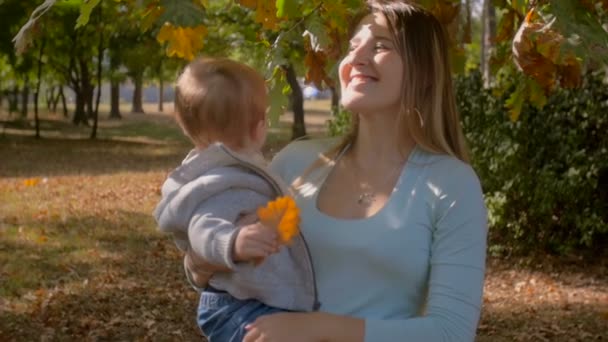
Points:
(393, 214)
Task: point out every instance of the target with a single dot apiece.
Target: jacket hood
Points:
(205, 173)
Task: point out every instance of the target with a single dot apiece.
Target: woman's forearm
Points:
(336, 328)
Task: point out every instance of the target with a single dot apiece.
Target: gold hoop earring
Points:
(420, 119)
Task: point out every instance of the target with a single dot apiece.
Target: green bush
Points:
(339, 123)
(545, 177)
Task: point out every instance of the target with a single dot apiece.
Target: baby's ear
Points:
(260, 131)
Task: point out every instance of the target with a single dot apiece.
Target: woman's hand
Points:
(280, 327)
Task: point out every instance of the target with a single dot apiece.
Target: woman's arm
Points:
(316, 326)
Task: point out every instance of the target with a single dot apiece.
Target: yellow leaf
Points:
(183, 42)
(283, 215)
(266, 14)
(31, 181)
(248, 3)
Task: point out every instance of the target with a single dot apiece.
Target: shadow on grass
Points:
(93, 278)
(106, 314)
(50, 252)
(28, 157)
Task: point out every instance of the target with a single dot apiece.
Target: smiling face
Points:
(371, 74)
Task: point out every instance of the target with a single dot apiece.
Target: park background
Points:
(81, 165)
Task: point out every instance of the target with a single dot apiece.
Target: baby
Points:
(206, 202)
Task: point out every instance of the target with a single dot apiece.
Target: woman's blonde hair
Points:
(218, 99)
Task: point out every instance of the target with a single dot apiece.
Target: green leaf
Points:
(536, 94)
(584, 30)
(520, 6)
(317, 30)
(516, 101)
(458, 59)
(278, 100)
(85, 12)
(181, 13)
(287, 8)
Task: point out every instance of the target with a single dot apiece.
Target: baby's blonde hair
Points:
(219, 100)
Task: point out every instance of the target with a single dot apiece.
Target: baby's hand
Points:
(255, 242)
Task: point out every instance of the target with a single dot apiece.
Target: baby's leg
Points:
(222, 318)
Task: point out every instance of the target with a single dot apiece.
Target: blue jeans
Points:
(222, 318)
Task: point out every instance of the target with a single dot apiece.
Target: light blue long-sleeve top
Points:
(414, 271)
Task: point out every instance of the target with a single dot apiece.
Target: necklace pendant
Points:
(366, 198)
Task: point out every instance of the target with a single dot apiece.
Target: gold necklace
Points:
(367, 198)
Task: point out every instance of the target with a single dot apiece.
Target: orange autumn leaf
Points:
(283, 215)
(31, 181)
(183, 42)
(541, 52)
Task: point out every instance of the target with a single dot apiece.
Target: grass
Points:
(80, 257)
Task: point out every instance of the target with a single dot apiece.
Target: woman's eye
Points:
(380, 46)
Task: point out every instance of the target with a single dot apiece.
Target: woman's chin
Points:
(355, 104)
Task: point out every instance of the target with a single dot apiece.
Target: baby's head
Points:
(221, 100)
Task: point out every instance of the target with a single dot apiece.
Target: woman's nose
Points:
(360, 55)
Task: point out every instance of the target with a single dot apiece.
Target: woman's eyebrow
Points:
(382, 37)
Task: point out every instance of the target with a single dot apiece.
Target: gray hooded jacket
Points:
(201, 202)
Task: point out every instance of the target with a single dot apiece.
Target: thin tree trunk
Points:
(297, 103)
(137, 94)
(63, 102)
(161, 94)
(99, 69)
(37, 92)
(335, 100)
(49, 96)
(488, 34)
(13, 101)
(25, 97)
(115, 100)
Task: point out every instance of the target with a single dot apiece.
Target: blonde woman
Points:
(393, 214)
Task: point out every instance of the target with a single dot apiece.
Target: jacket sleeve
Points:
(212, 229)
(457, 268)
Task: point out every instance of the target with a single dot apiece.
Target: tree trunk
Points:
(25, 97)
(37, 92)
(488, 34)
(50, 97)
(161, 94)
(115, 100)
(99, 69)
(297, 103)
(335, 100)
(13, 100)
(80, 115)
(63, 102)
(138, 94)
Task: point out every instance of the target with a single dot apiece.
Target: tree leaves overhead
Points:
(550, 41)
(85, 12)
(541, 52)
(184, 13)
